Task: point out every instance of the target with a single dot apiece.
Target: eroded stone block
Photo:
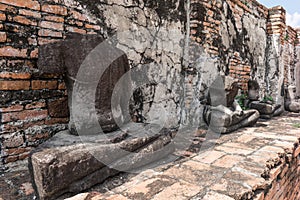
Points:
(70, 164)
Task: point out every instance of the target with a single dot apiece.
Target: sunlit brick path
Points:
(253, 163)
(243, 165)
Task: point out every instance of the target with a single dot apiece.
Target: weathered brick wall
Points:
(244, 36)
(284, 39)
(33, 106)
(297, 70)
(283, 175)
(290, 36)
(240, 70)
(234, 31)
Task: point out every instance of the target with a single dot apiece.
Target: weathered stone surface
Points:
(263, 108)
(225, 115)
(105, 68)
(291, 103)
(292, 106)
(266, 110)
(227, 173)
(68, 163)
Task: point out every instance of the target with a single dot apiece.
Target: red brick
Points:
(39, 85)
(9, 51)
(38, 136)
(12, 108)
(11, 127)
(17, 151)
(35, 105)
(57, 121)
(13, 140)
(55, 9)
(34, 5)
(76, 30)
(14, 85)
(296, 152)
(34, 53)
(3, 37)
(62, 86)
(50, 75)
(90, 26)
(24, 155)
(78, 15)
(6, 8)
(43, 41)
(52, 25)
(49, 33)
(12, 75)
(75, 22)
(38, 122)
(54, 19)
(24, 115)
(10, 159)
(29, 13)
(14, 127)
(275, 172)
(2, 17)
(58, 108)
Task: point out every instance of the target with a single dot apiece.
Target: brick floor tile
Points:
(228, 161)
(209, 156)
(178, 191)
(216, 196)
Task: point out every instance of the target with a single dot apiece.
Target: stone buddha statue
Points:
(266, 108)
(291, 104)
(106, 68)
(223, 114)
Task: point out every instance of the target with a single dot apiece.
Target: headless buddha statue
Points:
(266, 108)
(223, 114)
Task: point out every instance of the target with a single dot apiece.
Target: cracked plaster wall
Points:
(151, 33)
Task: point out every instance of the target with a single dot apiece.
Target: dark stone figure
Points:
(66, 58)
(67, 163)
(224, 114)
(266, 108)
(291, 103)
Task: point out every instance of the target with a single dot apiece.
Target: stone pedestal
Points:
(70, 164)
(266, 110)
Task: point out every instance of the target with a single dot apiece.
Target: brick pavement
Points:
(260, 163)
(246, 164)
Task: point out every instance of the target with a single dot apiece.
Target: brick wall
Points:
(33, 106)
(207, 21)
(240, 70)
(221, 28)
(284, 177)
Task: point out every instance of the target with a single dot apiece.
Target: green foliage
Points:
(286, 37)
(241, 99)
(245, 3)
(297, 125)
(268, 98)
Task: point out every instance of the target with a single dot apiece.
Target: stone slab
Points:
(71, 164)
